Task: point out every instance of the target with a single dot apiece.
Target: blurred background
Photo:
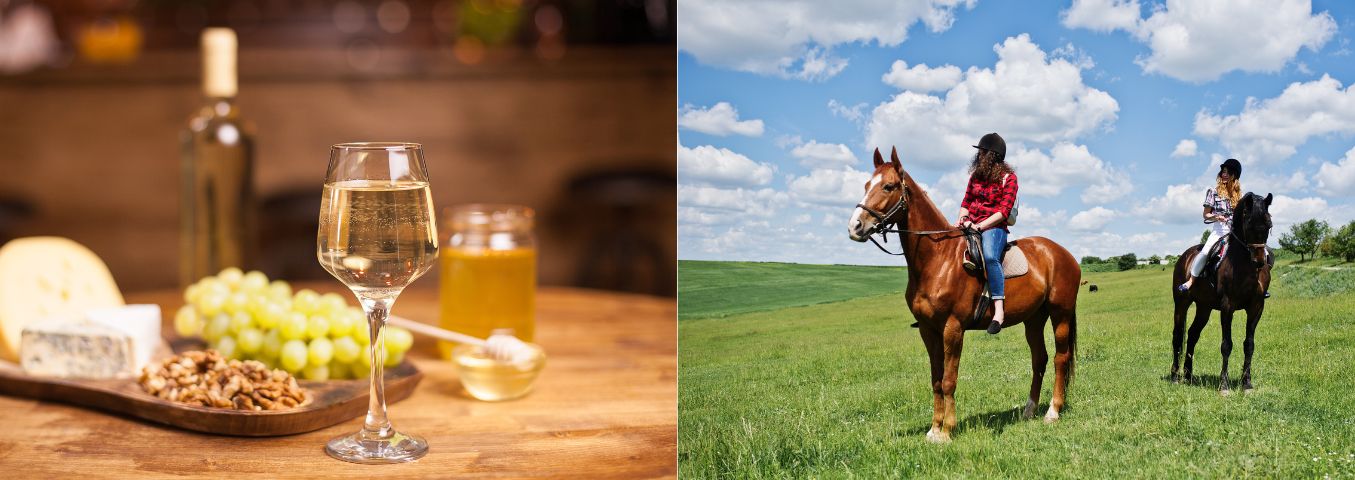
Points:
(565, 107)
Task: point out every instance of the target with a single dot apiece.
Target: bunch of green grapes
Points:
(317, 337)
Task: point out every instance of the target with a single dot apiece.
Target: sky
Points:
(1116, 114)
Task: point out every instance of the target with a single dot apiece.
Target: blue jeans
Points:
(994, 242)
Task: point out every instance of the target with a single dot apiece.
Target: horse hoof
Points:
(1029, 412)
(1225, 392)
(937, 436)
(1051, 417)
(1176, 379)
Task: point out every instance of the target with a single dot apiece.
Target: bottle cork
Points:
(218, 62)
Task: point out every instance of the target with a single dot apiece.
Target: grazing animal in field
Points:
(1084, 282)
(1093, 288)
(1242, 278)
(942, 295)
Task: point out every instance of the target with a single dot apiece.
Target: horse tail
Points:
(1072, 346)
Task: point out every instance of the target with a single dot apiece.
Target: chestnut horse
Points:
(1241, 281)
(942, 294)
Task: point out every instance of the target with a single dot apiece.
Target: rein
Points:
(884, 227)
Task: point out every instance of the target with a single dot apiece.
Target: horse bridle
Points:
(884, 227)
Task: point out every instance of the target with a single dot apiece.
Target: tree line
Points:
(1315, 237)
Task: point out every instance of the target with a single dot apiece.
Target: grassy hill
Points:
(840, 389)
(719, 289)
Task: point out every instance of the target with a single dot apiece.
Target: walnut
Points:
(206, 379)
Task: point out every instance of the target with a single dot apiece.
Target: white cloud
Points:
(1185, 148)
(1091, 220)
(721, 119)
(1101, 15)
(1337, 180)
(836, 188)
(1026, 96)
(795, 38)
(1200, 40)
(920, 78)
(823, 155)
(1066, 165)
(854, 113)
(718, 166)
(1272, 129)
(1286, 210)
(1181, 204)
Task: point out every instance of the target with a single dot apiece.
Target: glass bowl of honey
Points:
(492, 380)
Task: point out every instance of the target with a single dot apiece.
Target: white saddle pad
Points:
(1014, 264)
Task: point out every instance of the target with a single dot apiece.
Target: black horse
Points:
(1242, 278)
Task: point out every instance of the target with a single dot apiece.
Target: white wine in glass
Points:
(377, 235)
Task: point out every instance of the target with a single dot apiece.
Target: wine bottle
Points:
(217, 204)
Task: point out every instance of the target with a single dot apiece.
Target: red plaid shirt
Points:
(983, 199)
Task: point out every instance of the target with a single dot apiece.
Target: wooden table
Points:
(605, 407)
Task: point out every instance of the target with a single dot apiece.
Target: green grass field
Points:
(824, 379)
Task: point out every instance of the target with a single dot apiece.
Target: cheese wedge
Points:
(48, 279)
(77, 350)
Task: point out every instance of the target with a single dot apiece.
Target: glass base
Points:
(398, 448)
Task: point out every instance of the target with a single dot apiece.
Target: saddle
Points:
(1014, 264)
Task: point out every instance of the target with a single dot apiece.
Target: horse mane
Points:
(922, 208)
(1243, 209)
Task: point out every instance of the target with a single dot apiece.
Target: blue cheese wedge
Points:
(77, 350)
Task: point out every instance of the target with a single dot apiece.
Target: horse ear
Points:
(894, 159)
(879, 160)
(1268, 199)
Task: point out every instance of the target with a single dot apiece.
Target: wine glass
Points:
(377, 235)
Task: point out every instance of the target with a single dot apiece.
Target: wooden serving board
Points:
(332, 402)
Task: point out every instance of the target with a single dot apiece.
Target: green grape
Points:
(362, 334)
(393, 359)
(212, 285)
(359, 371)
(272, 344)
(226, 346)
(270, 315)
(398, 340)
(320, 351)
(236, 302)
(217, 327)
(346, 349)
(338, 370)
(332, 304)
(190, 294)
(211, 302)
(254, 282)
(365, 358)
(230, 276)
(186, 322)
(317, 327)
(293, 356)
(293, 326)
(249, 340)
(316, 372)
(279, 290)
(340, 325)
(241, 321)
(306, 301)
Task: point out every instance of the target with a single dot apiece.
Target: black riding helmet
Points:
(994, 143)
(1233, 167)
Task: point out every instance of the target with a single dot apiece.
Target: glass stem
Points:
(377, 426)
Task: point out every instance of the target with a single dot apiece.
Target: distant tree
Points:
(1303, 238)
(1154, 260)
(1343, 242)
(1172, 259)
(1088, 260)
(1126, 261)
